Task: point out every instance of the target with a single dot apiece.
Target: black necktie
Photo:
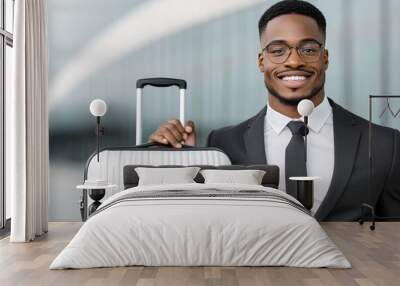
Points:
(295, 160)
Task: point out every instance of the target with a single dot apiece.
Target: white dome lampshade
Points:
(98, 107)
(305, 107)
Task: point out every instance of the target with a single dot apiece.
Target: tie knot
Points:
(297, 128)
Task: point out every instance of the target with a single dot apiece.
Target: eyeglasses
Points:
(308, 51)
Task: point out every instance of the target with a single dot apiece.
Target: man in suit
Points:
(293, 60)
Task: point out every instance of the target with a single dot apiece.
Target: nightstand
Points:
(305, 190)
(96, 193)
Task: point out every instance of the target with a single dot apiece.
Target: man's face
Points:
(295, 78)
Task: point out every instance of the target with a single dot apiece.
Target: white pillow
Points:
(162, 176)
(248, 177)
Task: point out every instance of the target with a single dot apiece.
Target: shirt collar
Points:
(320, 116)
(316, 120)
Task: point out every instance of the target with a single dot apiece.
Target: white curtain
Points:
(27, 123)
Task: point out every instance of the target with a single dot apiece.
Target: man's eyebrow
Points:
(277, 42)
(286, 43)
(310, 40)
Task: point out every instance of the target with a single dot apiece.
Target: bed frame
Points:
(113, 159)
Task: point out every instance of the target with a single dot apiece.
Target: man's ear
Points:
(261, 62)
(326, 59)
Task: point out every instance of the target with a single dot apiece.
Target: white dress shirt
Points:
(320, 147)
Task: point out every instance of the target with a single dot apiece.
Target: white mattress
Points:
(200, 231)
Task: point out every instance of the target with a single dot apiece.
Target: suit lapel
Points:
(346, 142)
(254, 139)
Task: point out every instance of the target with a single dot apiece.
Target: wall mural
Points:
(99, 48)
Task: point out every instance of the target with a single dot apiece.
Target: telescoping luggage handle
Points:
(158, 82)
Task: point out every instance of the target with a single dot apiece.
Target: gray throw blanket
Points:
(206, 194)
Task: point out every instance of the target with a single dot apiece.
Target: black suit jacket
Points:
(244, 144)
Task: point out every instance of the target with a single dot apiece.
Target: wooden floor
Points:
(375, 257)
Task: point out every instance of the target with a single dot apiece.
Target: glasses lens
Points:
(278, 53)
(310, 51)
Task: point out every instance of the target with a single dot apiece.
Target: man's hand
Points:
(172, 132)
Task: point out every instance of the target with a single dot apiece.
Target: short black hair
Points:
(292, 7)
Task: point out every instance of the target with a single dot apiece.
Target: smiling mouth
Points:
(294, 81)
(288, 78)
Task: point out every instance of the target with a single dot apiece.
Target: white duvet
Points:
(200, 231)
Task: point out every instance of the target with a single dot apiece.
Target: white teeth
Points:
(294, 78)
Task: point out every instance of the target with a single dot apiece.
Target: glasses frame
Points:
(321, 46)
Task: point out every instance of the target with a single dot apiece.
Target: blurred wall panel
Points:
(366, 68)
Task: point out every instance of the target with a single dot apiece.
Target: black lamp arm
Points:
(305, 136)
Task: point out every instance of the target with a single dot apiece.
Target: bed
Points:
(199, 224)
